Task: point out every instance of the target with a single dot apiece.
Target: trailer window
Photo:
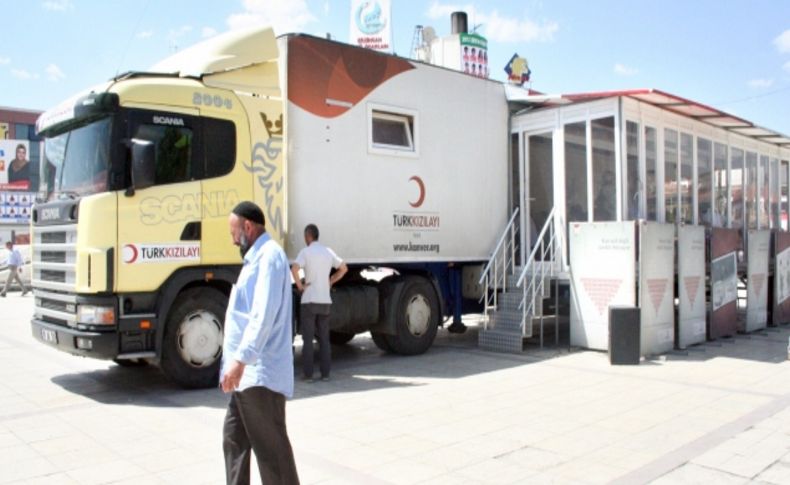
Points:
(392, 131)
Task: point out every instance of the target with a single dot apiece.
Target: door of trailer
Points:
(538, 189)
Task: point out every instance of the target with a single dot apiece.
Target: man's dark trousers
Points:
(314, 317)
(255, 421)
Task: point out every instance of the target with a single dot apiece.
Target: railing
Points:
(499, 266)
(541, 265)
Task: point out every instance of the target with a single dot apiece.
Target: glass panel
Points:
(721, 186)
(705, 182)
(633, 200)
(651, 171)
(750, 189)
(173, 151)
(219, 138)
(775, 220)
(670, 175)
(686, 178)
(736, 188)
(603, 170)
(576, 171)
(784, 215)
(764, 196)
(541, 186)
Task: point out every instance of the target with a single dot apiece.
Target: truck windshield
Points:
(76, 162)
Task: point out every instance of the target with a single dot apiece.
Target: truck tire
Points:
(380, 340)
(340, 338)
(192, 343)
(416, 318)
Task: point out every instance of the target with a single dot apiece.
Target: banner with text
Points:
(757, 280)
(724, 246)
(781, 313)
(371, 24)
(603, 274)
(691, 285)
(656, 287)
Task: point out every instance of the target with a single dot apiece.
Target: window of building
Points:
(634, 184)
(686, 181)
(651, 172)
(603, 170)
(764, 194)
(671, 192)
(776, 222)
(721, 187)
(784, 211)
(705, 181)
(751, 186)
(737, 186)
(576, 171)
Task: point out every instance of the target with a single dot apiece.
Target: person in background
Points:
(14, 263)
(317, 261)
(257, 360)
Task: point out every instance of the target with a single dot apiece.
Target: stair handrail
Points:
(546, 268)
(491, 275)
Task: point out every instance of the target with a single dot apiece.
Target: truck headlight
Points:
(95, 315)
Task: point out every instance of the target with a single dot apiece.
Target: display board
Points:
(603, 274)
(781, 313)
(724, 245)
(691, 286)
(757, 280)
(656, 283)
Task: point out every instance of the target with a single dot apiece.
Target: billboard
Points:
(474, 55)
(656, 287)
(781, 313)
(603, 274)
(691, 286)
(757, 280)
(18, 177)
(371, 24)
(724, 245)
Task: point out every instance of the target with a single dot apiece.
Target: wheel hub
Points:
(200, 338)
(418, 315)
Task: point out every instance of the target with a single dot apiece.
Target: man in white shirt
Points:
(317, 261)
(14, 263)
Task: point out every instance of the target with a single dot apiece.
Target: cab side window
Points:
(174, 151)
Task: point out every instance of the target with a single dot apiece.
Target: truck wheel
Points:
(416, 318)
(192, 343)
(340, 338)
(380, 340)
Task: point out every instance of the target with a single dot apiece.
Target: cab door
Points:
(159, 227)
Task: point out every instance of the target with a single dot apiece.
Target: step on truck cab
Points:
(402, 165)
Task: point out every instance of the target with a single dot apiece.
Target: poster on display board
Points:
(757, 280)
(781, 310)
(16, 170)
(603, 274)
(691, 286)
(474, 55)
(370, 25)
(724, 244)
(656, 287)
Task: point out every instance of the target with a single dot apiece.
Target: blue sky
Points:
(732, 55)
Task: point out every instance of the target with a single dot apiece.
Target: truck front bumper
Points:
(98, 345)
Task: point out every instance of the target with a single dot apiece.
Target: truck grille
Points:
(54, 259)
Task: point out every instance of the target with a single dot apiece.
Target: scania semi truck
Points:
(401, 164)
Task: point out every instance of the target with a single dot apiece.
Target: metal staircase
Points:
(517, 297)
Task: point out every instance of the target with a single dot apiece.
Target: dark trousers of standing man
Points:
(255, 421)
(314, 317)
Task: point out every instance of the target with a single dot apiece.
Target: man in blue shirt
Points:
(14, 263)
(257, 357)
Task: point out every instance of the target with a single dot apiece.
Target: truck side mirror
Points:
(143, 165)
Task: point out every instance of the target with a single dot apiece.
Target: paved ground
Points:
(455, 415)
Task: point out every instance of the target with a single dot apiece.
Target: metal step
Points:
(497, 340)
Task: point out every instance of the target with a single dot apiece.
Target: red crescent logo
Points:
(130, 256)
(421, 198)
